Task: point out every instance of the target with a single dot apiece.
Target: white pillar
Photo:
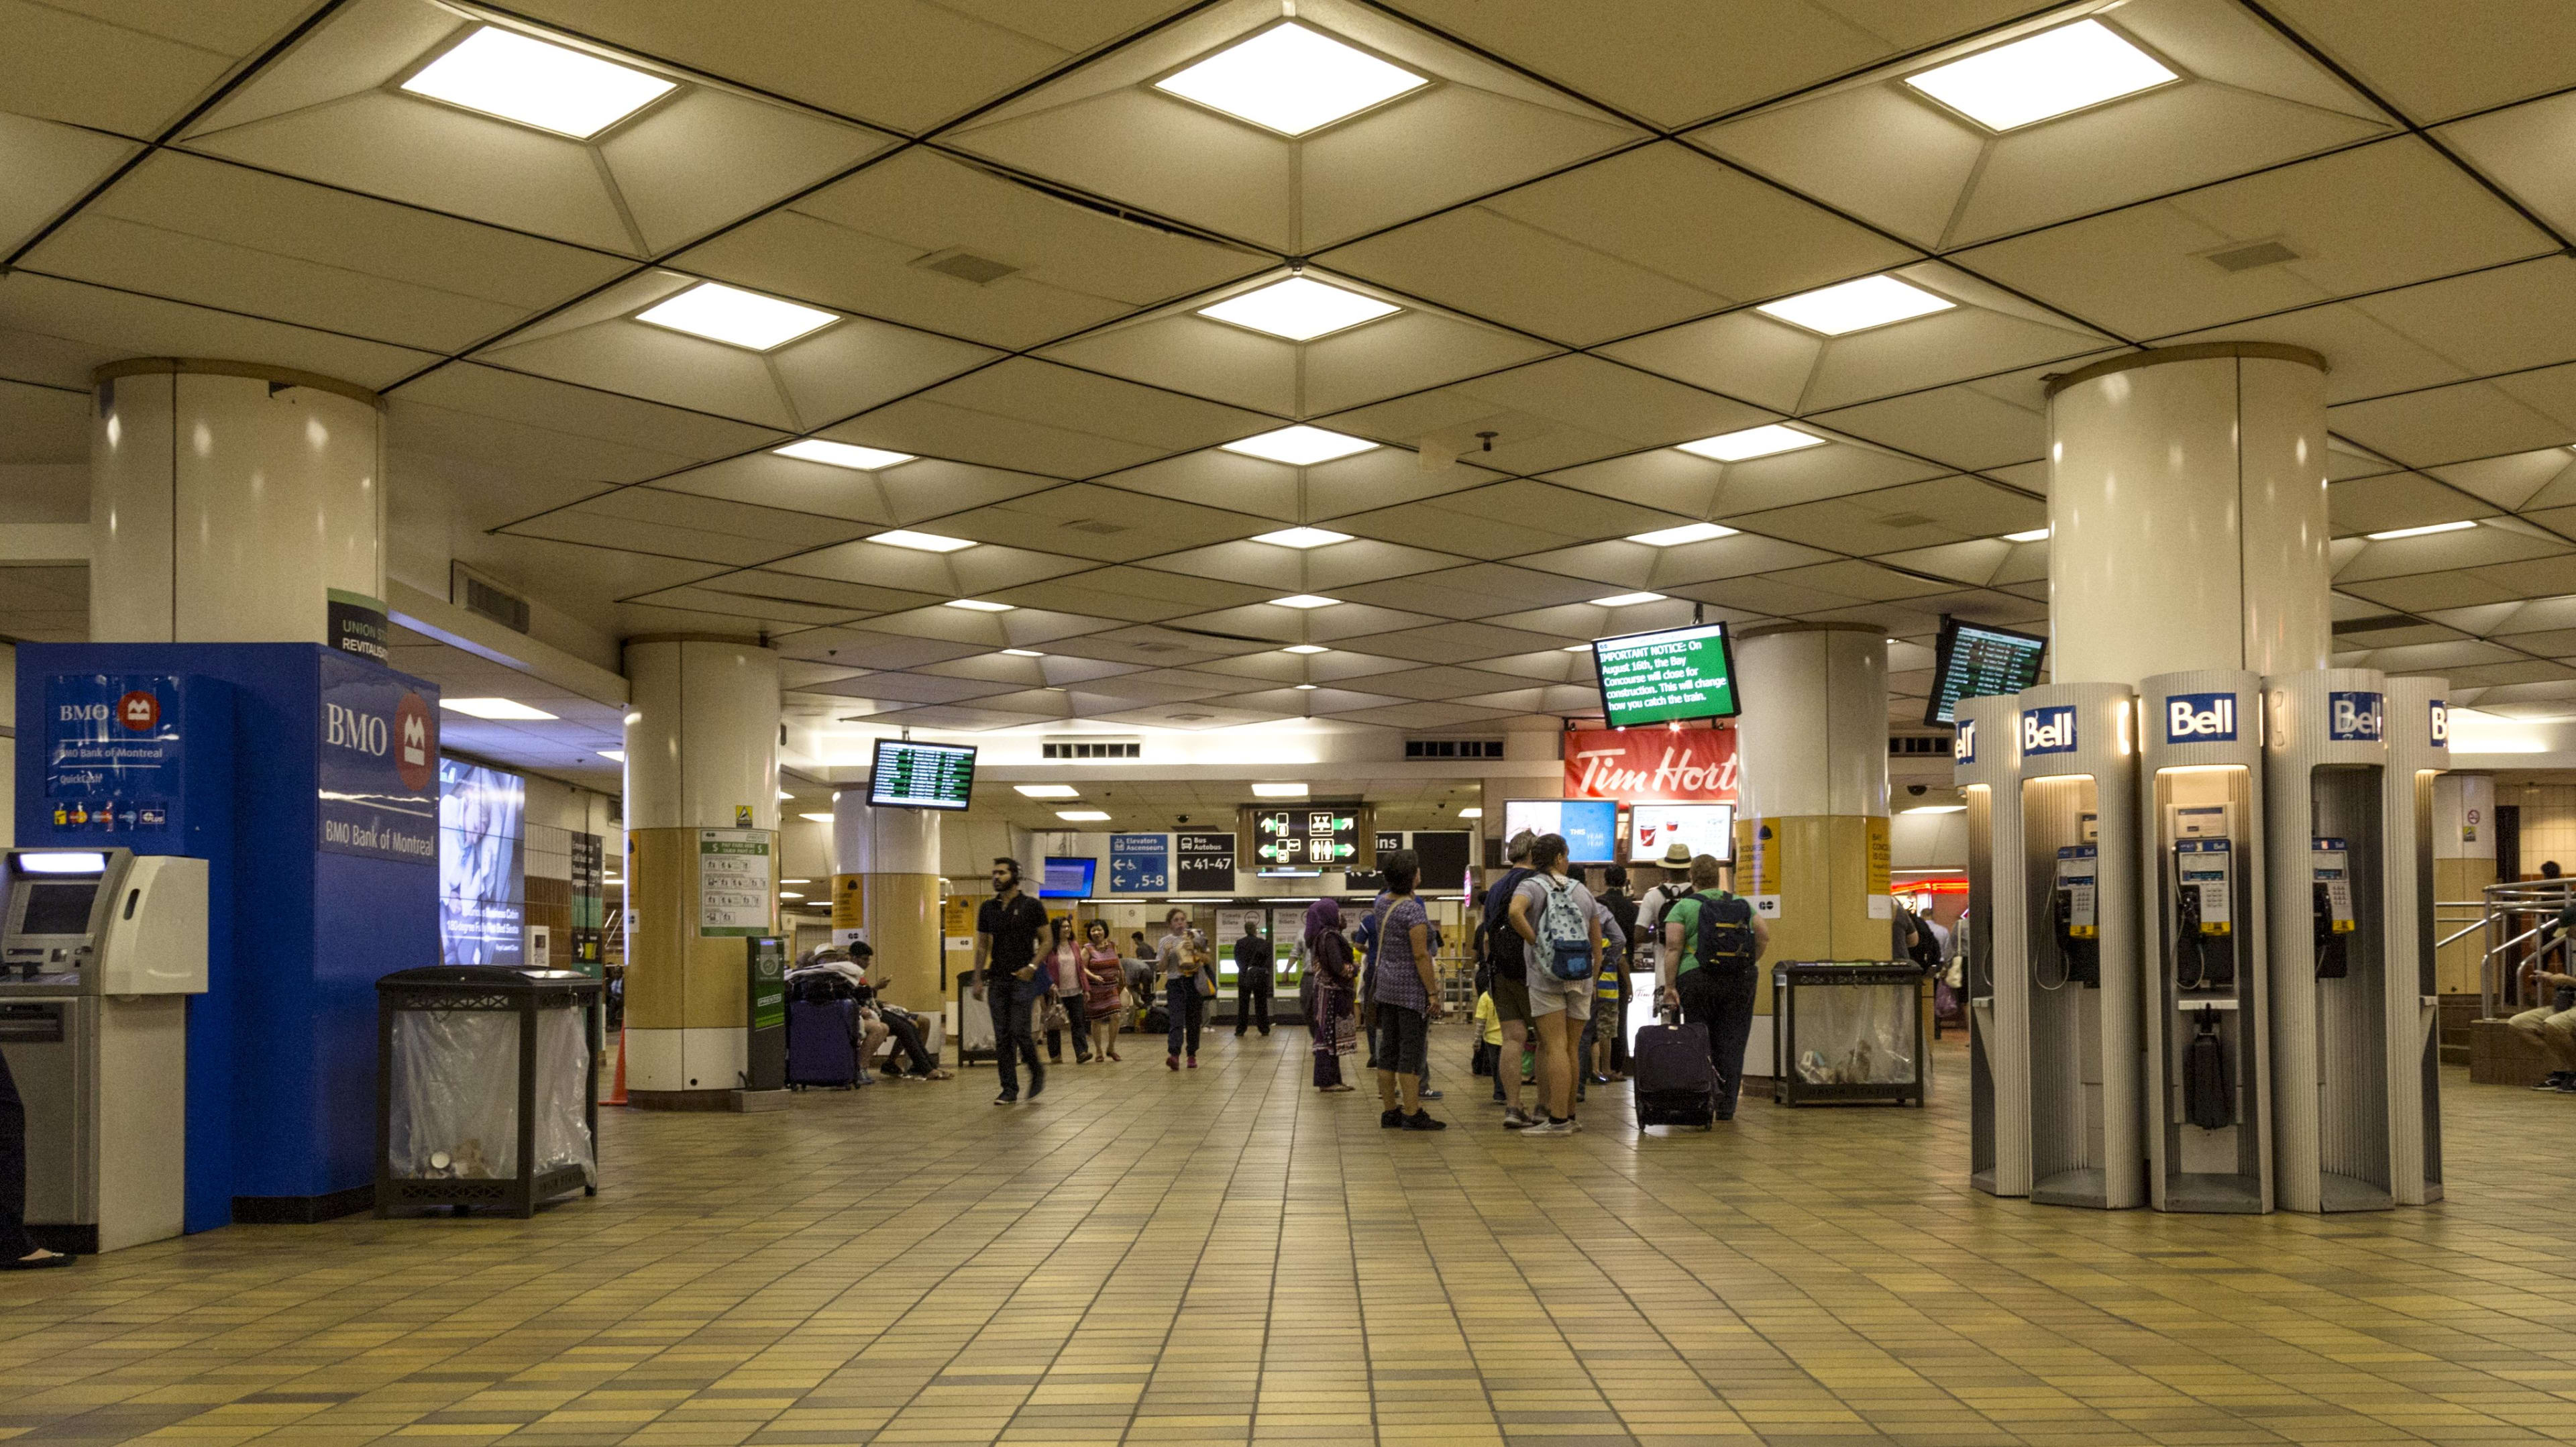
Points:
(230, 500)
(1811, 829)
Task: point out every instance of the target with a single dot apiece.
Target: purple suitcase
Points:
(1674, 1082)
(822, 1043)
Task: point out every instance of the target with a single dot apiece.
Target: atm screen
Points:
(58, 909)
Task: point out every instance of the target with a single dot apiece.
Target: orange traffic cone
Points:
(617, 1093)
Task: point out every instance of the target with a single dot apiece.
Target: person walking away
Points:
(1561, 943)
(1605, 997)
(1184, 965)
(1064, 964)
(1006, 948)
(1717, 941)
(1406, 996)
(1140, 966)
(1104, 987)
(1331, 974)
(1252, 979)
(1509, 976)
(1610, 1034)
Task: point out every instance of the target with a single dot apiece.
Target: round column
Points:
(885, 890)
(232, 503)
(1811, 844)
(702, 857)
(2187, 504)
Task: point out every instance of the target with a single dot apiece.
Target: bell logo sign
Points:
(2441, 724)
(2353, 717)
(1963, 745)
(2048, 730)
(2200, 718)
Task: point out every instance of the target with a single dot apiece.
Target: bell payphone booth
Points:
(2339, 979)
(2075, 879)
(1983, 751)
(98, 950)
(2206, 1025)
(2419, 746)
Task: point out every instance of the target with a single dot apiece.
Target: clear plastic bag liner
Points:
(1855, 1034)
(455, 1101)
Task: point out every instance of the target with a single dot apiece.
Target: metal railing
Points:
(2517, 924)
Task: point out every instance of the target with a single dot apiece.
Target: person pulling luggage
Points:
(1718, 943)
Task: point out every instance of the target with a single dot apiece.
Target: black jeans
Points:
(1722, 1000)
(1079, 1022)
(14, 1241)
(1252, 1001)
(907, 1038)
(1012, 1012)
(1181, 1001)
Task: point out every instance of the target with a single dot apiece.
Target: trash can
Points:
(487, 1088)
(1847, 1032)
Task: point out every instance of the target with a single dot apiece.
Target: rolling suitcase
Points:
(1674, 1081)
(822, 1043)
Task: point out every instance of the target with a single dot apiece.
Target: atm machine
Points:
(99, 951)
(2206, 1026)
(1983, 760)
(2074, 885)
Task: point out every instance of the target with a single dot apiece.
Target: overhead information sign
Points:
(1682, 673)
(922, 776)
(1974, 660)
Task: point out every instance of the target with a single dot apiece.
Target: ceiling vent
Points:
(967, 266)
(1090, 746)
(1095, 527)
(1453, 748)
(1189, 717)
(486, 599)
(2250, 256)
(1903, 520)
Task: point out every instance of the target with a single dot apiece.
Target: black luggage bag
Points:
(1674, 1082)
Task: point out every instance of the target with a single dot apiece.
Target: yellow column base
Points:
(1825, 871)
(686, 1006)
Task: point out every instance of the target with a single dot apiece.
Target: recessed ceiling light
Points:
(1936, 809)
(789, 894)
(1300, 446)
(1022, 653)
(495, 708)
(551, 87)
(1303, 538)
(738, 318)
(920, 542)
(1767, 440)
(2054, 73)
(977, 605)
(617, 756)
(1578, 648)
(1305, 688)
(817, 818)
(2032, 536)
(842, 454)
(1082, 816)
(1305, 648)
(1856, 306)
(1291, 79)
(1686, 533)
(1471, 813)
(1279, 791)
(784, 796)
(1045, 791)
(1304, 600)
(2424, 531)
(1622, 600)
(1299, 309)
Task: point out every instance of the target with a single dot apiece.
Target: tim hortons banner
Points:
(1672, 765)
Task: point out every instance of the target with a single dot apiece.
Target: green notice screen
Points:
(1647, 678)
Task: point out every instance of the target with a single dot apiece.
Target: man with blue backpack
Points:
(1560, 938)
(1714, 941)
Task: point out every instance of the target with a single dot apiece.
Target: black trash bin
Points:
(487, 1088)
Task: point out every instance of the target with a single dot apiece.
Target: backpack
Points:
(1725, 931)
(1502, 942)
(1567, 935)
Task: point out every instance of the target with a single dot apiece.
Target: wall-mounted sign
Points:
(1309, 836)
(1205, 862)
(1141, 864)
(379, 762)
(114, 751)
(1665, 765)
(733, 882)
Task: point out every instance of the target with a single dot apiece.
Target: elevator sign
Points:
(2200, 718)
(2048, 730)
(2354, 717)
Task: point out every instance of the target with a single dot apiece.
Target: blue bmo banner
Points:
(113, 750)
(378, 762)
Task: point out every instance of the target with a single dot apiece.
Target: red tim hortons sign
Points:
(1665, 765)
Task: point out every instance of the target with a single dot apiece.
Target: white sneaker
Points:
(1514, 1118)
(1550, 1127)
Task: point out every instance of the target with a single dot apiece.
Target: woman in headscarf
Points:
(1332, 975)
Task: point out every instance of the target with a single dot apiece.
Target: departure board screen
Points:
(1681, 673)
(1976, 660)
(922, 776)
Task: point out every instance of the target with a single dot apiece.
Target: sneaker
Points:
(1008, 1097)
(1515, 1118)
(1171, 1062)
(1037, 1086)
(1428, 1095)
(1423, 1120)
(1550, 1127)
(2556, 1080)
(1390, 1120)
(2568, 1086)
(1194, 1062)
(1574, 1125)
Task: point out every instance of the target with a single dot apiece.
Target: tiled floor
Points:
(1221, 1256)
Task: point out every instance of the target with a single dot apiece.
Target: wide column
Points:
(233, 503)
(701, 867)
(885, 890)
(1811, 843)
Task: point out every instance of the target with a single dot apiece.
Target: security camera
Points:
(1917, 790)
(1181, 818)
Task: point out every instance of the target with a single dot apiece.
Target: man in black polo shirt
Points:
(1006, 952)
(1253, 981)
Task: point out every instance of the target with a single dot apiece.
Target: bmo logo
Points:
(139, 711)
(2048, 730)
(2354, 717)
(2441, 724)
(1963, 744)
(346, 728)
(2200, 718)
(415, 744)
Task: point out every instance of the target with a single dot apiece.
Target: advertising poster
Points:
(112, 751)
(1206, 862)
(383, 785)
(1881, 858)
(733, 883)
(482, 900)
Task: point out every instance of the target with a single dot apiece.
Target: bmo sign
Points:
(379, 762)
(2200, 718)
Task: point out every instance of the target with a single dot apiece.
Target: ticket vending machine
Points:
(2076, 886)
(2328, 794)
(98, 951)
(1983, 753)
(2205, 1017)
(2419, 746)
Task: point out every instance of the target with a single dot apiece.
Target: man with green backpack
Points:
(1717, 941)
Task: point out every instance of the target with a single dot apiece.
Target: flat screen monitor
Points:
(58, 909)
(482, 872)
(922, 776)
(1680, 673)
(1976, 660)
(1590, 826)
(1654, 828)
(1067, 878)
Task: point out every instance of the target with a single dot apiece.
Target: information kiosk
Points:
(2208, 1124)
(1983, 757)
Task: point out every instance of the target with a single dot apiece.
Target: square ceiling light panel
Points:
(1300, 446)
(1303, 538)
(920, 542)
(1752, 442)
(550, 87)
(735, 317)
(1627, 600)
(842, 454)
(1291, 79)
(1299, 309)
(2054, 73)
(503, 709)
(1856, 306)
(1305, 600)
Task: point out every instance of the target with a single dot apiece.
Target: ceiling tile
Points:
(123, 68)
(1550, 415)
(2440, 63)
(121, 324)
(1036, 417)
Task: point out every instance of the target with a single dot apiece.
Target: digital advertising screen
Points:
(1654, 828)
(482, 871)
(1590, 826)
(1067, 878)
(1678, 674)
(922, 776)
(1977, 660)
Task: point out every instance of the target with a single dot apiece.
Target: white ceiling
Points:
(1578, 217)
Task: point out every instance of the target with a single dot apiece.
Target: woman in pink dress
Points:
(1104, 988)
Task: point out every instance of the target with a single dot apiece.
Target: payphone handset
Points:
(2204, 867)
(2074, 916)
(2330, 869)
